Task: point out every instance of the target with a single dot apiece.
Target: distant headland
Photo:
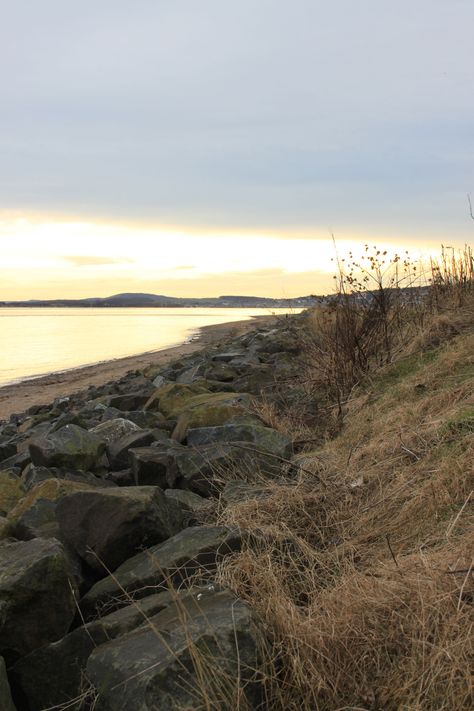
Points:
(159, 301)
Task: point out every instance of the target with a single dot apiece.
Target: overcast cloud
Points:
(287, 114)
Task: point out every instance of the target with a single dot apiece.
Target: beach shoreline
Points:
(42, 390)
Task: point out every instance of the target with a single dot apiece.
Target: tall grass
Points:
(363, 574)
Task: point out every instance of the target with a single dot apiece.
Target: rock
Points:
(54, 674)
(192, 548)
(213, 409)
(194, 654)
(221, 372)
(276, 341)
(71, 446)
(190, 374)
(107, 526)
(18, 461)
(4, 529)
(171, 398)
(7, 450)
(131, 401)
(118, 452)
(32, 476)
(35, 514)
(205, 470)
(6, 701)
(191, 504)
(227, 356)
(11, 491)
(159, 381)
(36, 595)
(236, 491)
(263, 438)
(155, 465)
(145, 420)
(112, 430)
(257, 379)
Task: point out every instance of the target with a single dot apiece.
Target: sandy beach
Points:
(18, 397)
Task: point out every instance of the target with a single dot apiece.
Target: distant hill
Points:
(159, 301)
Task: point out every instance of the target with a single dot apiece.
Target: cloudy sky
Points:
(212, 147)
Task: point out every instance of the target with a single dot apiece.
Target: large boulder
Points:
(6, 701)
(112, 430)
(32, 476)
(213, 409)
(206, 469)
(200, 652)
(191, 549)
(107, 526)
(171, 398)
(118, 451)
(128, 401)
(54, 674)
(37, 602)
(262, 438)
(155, 465)
(35, 514)
(71, 446)
(191, 504)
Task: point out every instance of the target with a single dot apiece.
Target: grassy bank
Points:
(364, 573)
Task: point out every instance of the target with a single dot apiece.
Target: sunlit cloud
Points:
(91, 261)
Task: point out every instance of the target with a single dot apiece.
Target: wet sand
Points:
(18, 397)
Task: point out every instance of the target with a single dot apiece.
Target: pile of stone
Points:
(107, 599)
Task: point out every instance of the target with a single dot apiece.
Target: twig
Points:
(450, 528)
(387, 538)
(464, 584)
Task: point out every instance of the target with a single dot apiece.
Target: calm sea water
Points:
(39, 341)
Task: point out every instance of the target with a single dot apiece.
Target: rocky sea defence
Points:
(109, 537)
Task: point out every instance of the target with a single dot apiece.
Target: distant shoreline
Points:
(43, 389)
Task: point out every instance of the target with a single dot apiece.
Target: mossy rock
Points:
(213, 409)
(35, 514)
(11, 491)
(70, 446)
(173, 397)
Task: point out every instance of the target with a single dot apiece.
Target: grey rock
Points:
(227, 356)
(191, 504)
(159, 381)
(107, 526)
(32, 476)
(71, 446)
(6, 701)
(205, 469)
(54, 674)
(192, 548)
(112, 430)
(36, 595)
(7, 450)
(118, 451)
(263, 438)
(155, 465)
(182, 659)
(236, 491)
(130, 401)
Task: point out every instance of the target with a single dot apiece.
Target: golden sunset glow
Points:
(51, 258)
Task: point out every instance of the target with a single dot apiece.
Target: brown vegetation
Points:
(364, 571)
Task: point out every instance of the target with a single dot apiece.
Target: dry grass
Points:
(364, 571)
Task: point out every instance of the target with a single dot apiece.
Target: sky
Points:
(213, 147)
